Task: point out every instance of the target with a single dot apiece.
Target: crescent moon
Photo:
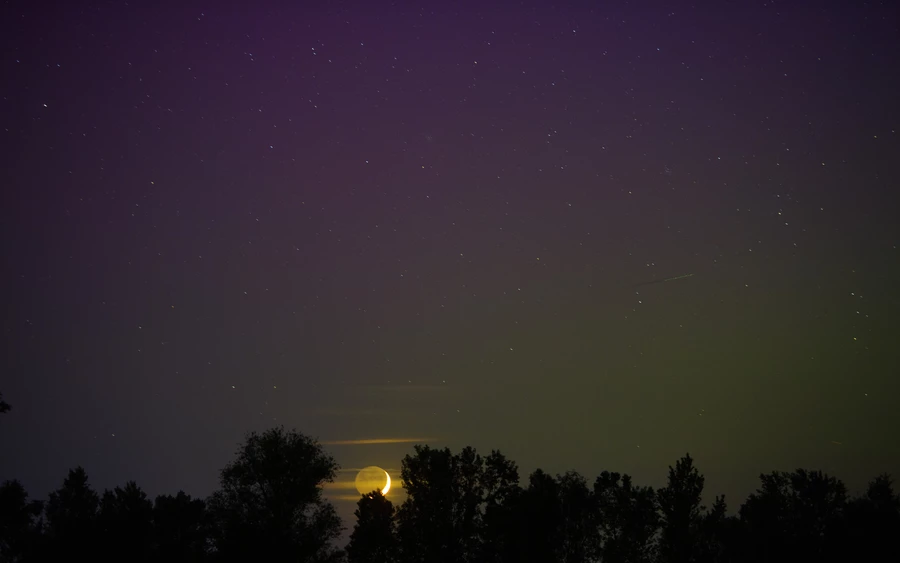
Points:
(387, 487)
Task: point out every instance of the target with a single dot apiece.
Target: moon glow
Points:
(373, 478)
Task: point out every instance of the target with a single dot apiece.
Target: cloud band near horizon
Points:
(372, 441)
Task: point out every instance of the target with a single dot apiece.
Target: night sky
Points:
(439, 222)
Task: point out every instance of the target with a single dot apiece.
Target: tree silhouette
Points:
(501, 496)
(679, 503)
(429, 521)
(874, 523)
(126, 522)
(540, 519)
(795, 516)
(269, 506)
(460, 508)
(19, 528)
(556, 520)
(180, 528)
(716, 532)
(444, 516)
(4, 406)
(374, 537)
(629, 520)
(580, 519)
(72, 519)
(468, 488)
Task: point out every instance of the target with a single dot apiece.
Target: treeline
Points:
(460, 507)
(269, 507)
(465, 507)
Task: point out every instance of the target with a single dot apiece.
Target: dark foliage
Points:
(679, 507)
(72, 530)
(125, 521)
(460, 508)
(270, 507)
(19, 527)
(795, 516)
(873, 523)
(437, 521)
(628, 520)
(180, 528)
(374, 538)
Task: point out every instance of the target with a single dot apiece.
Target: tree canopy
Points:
(374, 538)
(269, 504)
(459, 507)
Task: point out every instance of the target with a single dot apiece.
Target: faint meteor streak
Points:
(681, 277)
(678, 277)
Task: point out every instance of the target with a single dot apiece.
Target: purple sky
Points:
(428, 220)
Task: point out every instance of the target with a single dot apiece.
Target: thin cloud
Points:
(393, 412)
(337, 485)
(346, 497)
(371, 441)
(332, 411)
